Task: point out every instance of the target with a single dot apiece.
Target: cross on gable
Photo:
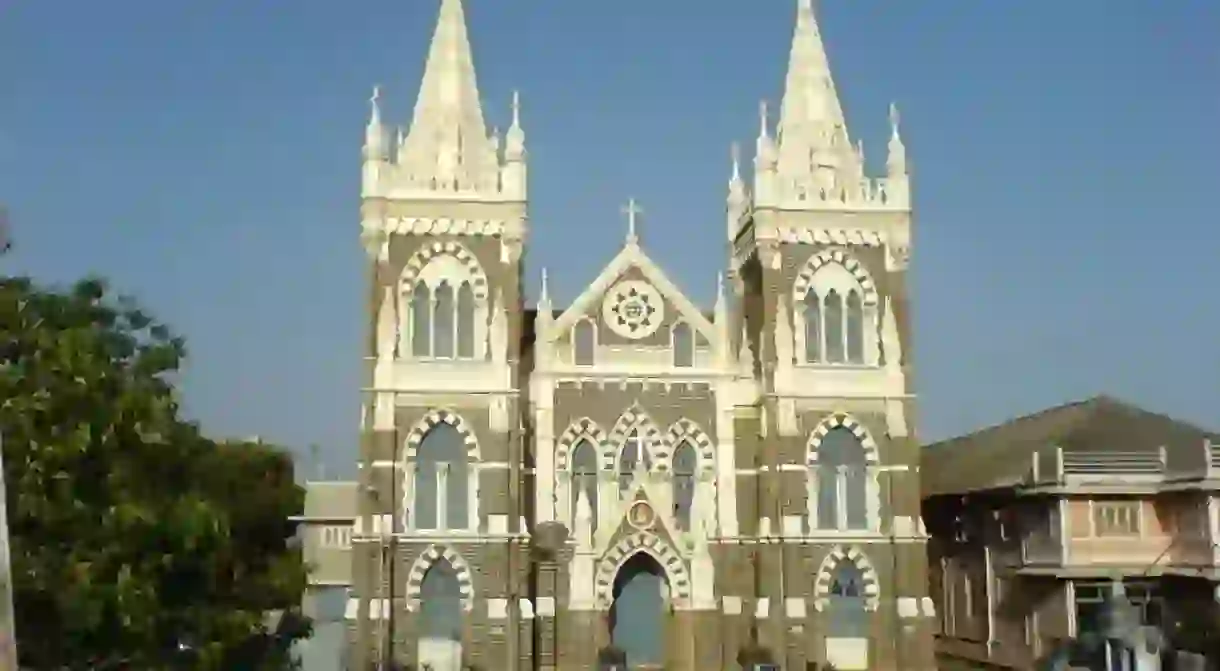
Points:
(633, 211)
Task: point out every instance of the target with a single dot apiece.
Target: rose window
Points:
(633, 309)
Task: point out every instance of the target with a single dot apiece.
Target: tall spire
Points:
(812, 133)
(448, 140)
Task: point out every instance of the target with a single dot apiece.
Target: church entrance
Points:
(639, 614)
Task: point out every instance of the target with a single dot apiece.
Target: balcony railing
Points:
(1054, 466)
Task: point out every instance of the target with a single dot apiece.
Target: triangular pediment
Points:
(632, 258)
(642, 511)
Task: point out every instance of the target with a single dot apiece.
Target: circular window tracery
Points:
(633, 309)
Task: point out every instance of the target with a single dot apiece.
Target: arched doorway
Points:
(440, 618)
(639, 614)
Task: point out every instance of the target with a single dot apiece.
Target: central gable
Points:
(634, 302)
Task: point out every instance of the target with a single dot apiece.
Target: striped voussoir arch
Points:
(582, 429)
(654, 546)
(635, 419)
(845, 421)
(434, 418)
(426, 560)
(686, 430)
(852, 555)
(837, 256)
(419, 260)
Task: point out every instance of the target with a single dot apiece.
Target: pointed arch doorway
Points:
(640, 612)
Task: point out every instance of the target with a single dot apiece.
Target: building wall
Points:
(1003, 579)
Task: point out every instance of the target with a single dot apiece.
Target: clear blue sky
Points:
(205, 156)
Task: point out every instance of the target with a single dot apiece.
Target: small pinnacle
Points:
(374, 105)
(516, 108)
(762, 118)
(735, 154)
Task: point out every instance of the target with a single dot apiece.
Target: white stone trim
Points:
(425, 561)
(444, 226)
(846, 237)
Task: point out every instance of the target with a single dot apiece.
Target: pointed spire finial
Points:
(446, 147)
(544, 294)
(735, 155)
(516, 108)
(762, 119)
(633, 211)
(375, 104)
(895, 118)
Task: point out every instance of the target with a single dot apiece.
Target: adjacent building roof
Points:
(1000, 456)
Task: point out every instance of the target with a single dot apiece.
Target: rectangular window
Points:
(336, 537)
(1116, 518)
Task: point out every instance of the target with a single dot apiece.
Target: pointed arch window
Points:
(683, 345)
(584, 477)
(853, 328)
(813, 327)
(421, 320)
(584, 342)
(685, 461)
(465, 322)
(841, 477)
(835, 321)
(848, 602)
(634, 454)
(442, 480)
(440, 603)
(443, 322)
(833, 325)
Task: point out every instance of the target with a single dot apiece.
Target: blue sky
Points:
(205, 156)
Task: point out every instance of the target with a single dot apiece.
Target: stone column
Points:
(548, 552)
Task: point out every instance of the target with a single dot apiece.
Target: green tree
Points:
(136, 541)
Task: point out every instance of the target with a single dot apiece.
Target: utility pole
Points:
(8, 627)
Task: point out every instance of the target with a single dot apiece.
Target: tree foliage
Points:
(136, 541)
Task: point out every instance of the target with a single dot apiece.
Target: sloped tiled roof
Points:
(1000, 456)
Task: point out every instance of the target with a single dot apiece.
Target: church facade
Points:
(631, 476)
